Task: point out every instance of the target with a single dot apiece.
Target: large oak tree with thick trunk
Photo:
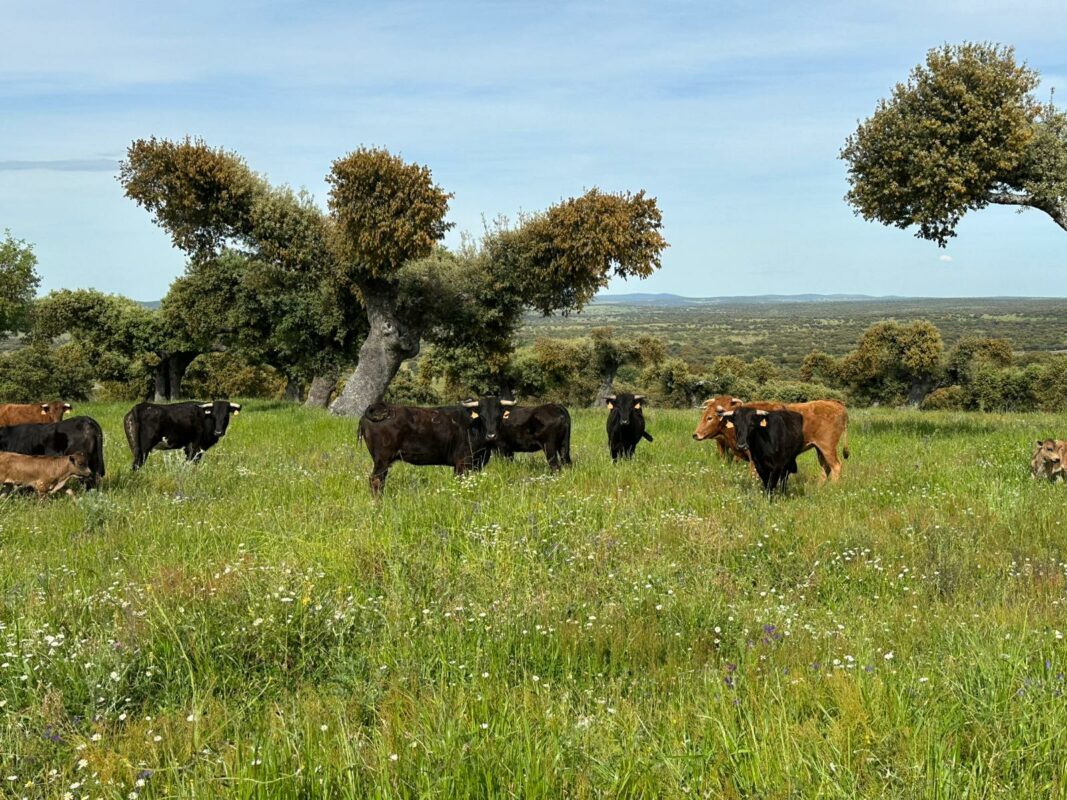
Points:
(964, 132)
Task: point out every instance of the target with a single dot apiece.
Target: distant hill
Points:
(639, 298)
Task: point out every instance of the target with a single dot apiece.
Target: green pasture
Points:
(258, 627)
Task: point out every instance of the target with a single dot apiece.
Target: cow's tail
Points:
(648, 436)
(129, 424)
(844, 439)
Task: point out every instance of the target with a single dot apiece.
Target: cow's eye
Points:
(507, 414)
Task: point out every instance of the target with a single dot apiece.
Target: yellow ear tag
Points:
(729, 424)
(474, 415)
(763, 423)
(611, 405)
(637, 406)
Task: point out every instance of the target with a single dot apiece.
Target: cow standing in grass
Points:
(529, 429)
(460, 436)
(825, 426)
(626, 424)
(193, 427)
(75, 435)
(773, 440)
(32, 413)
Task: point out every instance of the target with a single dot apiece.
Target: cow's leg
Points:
(145, 443)
(553, 456)
(379, 472)
(831, 467)
(59, 486)
(193, 453)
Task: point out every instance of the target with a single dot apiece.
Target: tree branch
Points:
(1058, 213)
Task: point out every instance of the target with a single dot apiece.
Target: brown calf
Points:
(32, 413)
(1048, 460)
(825, 424)
(46, 474)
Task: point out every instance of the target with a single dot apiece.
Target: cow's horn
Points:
(761, 413)
(507, 402)
(726, 413)
(68, 406)
(206, 405)
(735, 400)
(469, 404)
(638, 398)
(609, 397)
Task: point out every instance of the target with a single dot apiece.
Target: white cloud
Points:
(946, 259)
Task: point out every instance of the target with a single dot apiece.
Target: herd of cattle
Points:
(42, 451)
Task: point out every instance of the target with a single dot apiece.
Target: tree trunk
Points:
(389, 342)
(169, 374)
(294, 389)
(607, 388)
(920, 387)
(321, 389)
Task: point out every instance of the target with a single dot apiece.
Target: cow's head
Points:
(79, 465)
(710, 425)
(487, 413)
(53, 412)
(744, 422)
(220, 411)
(1047, 460)
(626, 407)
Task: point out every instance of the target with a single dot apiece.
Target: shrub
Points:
(40, 372)
(947, 398)
(226, 375)
(797, 392)
(407, 389)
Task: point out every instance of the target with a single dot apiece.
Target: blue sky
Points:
(731, 113)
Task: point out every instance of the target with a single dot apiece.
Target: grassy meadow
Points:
(258, 627)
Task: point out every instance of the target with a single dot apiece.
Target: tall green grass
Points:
(258, 627)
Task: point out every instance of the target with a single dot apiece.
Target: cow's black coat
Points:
(74, 435)
(773, 438)
(460, 436)
(626, 424)
(194, 427)
(528, 429)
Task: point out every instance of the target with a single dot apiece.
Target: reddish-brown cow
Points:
(32, 413)
(825, 424)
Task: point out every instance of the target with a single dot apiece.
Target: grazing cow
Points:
(74, 435)
(32, 413)
(1049, 459)
(45, 474)
(773, 439)
(533, 428)
(194, 427)
(626, 424)
(825, 425)
(460, 436)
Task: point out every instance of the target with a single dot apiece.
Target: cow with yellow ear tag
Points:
(773, 440)
(626, 424)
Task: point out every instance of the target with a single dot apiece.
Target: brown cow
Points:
(32, 413)
(825, 424)
(1049, 458)
(46, 474)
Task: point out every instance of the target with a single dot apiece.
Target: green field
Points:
(258, 627)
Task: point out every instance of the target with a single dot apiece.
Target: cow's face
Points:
(1047, 460)
(710, 425)
(626, 407)
(219, 412)
(54, 412)
(79, 464)
(745, 422)
(487, 413)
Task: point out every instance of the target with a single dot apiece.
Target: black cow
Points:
(626, 424)
(528, 429)
(774, 439)
(458, 436)
(74, 435)
(194, 427)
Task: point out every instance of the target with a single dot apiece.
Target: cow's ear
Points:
(1040, 443)
(44, 408)
(235, 408)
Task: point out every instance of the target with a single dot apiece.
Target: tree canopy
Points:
(965, 131)
(18, 284)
